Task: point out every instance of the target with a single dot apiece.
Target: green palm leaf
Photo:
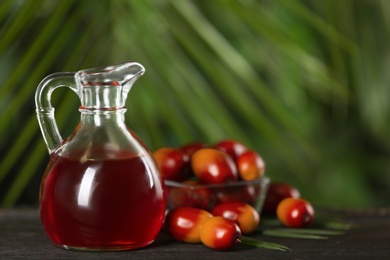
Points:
(302, 82)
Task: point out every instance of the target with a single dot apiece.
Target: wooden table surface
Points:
(22, 237)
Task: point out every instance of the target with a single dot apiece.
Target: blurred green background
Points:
(305, 83)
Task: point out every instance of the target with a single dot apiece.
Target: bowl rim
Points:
(263, 181)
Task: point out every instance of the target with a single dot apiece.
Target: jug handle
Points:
(44, 110)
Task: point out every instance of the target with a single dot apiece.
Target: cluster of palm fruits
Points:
(225, 226)
(204, 170)
(226, 161)
(220, 229)
(218, 217)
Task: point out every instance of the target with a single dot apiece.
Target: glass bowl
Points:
(207, 196)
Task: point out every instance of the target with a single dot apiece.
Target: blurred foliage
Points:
(302, 82)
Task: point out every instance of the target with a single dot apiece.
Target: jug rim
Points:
(114, 74)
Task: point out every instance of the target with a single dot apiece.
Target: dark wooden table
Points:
(22, 237)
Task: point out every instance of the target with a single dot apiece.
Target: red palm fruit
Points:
(192, 194)
(220, 233)
(184, 223)
(172, 163)
(277, 191)
(231, 147)
(250, 165)
(244, 215)
(295, 213)
(191, 148)
(241, 193)
(212, 166)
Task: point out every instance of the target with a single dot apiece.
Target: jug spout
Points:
(107, 87)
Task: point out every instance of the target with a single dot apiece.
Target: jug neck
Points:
(100, 96)
(103, 117)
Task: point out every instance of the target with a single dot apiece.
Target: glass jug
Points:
(101, 189)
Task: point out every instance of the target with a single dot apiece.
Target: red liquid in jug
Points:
(104, 205)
